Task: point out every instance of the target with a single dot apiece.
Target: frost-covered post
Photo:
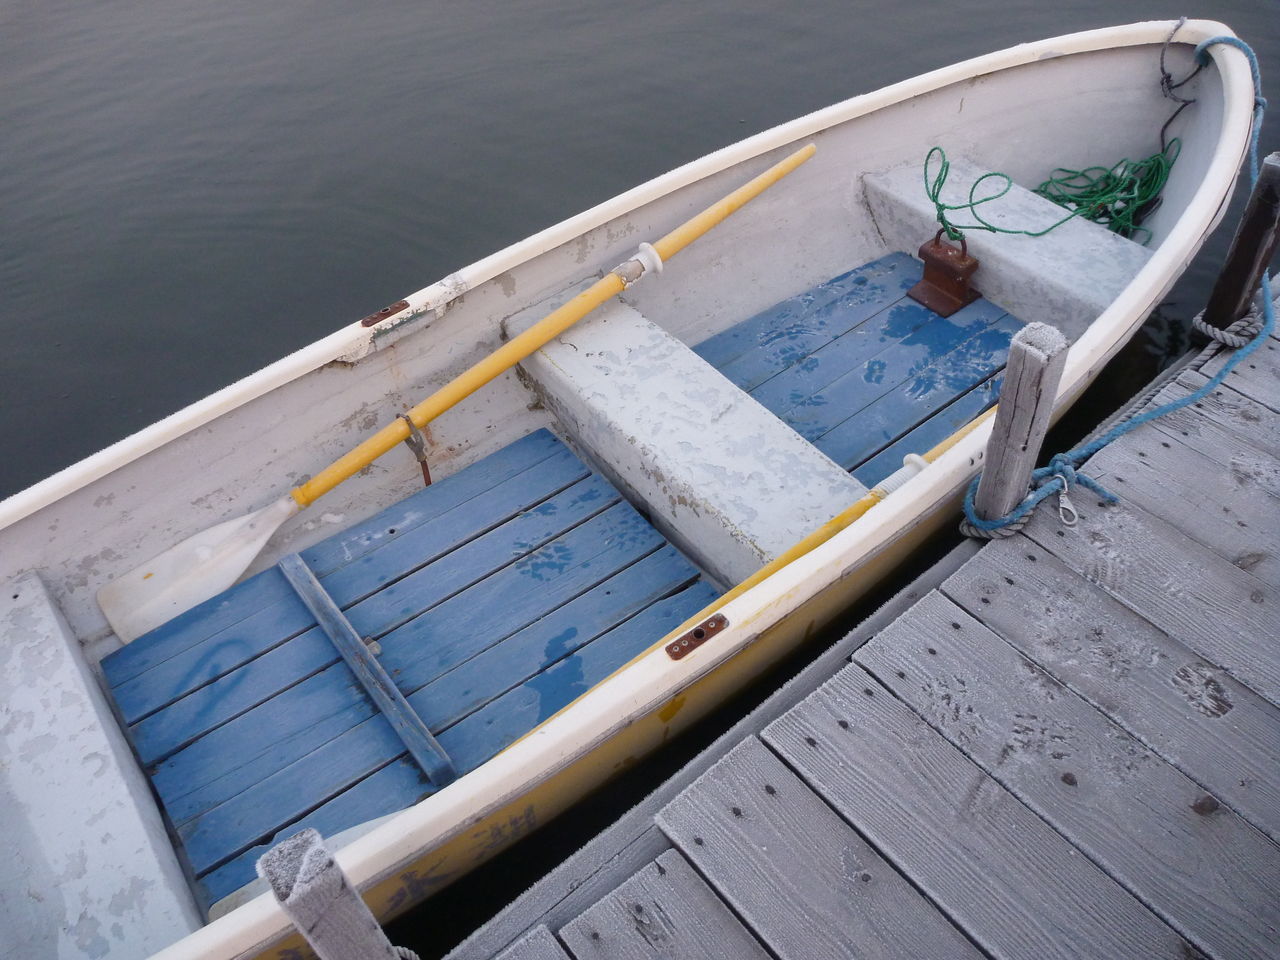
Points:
(1036, 358)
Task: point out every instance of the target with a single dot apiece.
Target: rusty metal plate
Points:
(385, 312)
(682, 646)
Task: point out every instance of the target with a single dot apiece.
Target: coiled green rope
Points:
(1119, 197)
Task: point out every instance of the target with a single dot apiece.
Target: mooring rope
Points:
(1117, 197)
(1060, 474)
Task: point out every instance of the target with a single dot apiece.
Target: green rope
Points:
(1119, 197)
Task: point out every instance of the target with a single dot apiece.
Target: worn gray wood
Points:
(1014, 885)
(1196, 716)
(1225, 614)
(1223, 422)
(633, 841)
(1036, 358)
(1251, 249)
(1208, 873)
(1257, 376)
(664, 911)
(803, 880)
(1225, 510)
(320, 901)
(538, 944)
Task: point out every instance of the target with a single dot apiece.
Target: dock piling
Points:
(1036, 358)
(1251, 250)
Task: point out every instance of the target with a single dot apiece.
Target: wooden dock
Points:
(1063, 744)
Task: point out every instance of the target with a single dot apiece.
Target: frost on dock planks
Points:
(1062, 744)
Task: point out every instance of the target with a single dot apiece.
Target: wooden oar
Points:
(205, 564)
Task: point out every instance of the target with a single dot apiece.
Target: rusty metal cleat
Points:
(944, 288)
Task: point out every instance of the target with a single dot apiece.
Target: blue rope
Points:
(1060, 474)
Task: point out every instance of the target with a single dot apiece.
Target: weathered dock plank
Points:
(1223, 613)
(1222, 424)
(1257, 377)
(664, 912)
(803, 880)
(1013, 884)
(1198, 717)
(539, 944)
(1223, 509)
(1203, 869)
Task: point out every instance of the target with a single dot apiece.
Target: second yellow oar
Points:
(209, 562)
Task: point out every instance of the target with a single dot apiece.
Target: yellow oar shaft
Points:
(533, 339)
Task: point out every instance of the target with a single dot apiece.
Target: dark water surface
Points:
(191, 190)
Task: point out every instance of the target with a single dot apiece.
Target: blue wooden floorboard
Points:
(248, 597)
(442, 702)
(933, 431)
(882, 422)
(482, 734)
(754, 350)
(280, 616)
(607, 545)
(256, 681)
(326, 770)
(898, 380)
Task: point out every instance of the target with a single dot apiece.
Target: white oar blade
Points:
(190, 572)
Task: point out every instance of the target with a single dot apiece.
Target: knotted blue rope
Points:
(1061, 472)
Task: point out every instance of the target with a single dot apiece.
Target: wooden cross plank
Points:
(665, 911)
(1198, 717)
(998, 871)
(1256, 376)
(803, 880)
(1208, 873)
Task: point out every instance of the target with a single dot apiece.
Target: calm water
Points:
(190, 190)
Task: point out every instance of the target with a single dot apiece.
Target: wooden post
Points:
(1036, 358)
(1251, 250)
(320, 901)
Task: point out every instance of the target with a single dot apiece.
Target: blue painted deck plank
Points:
(476, 681)
(904, 329)
(229, 759)
(287, 794)
(930, 433)
(183, 721)
(280, 615)
(778, 337)
(483, 734)
(246, 598)
(902, 362)
(425, 505)
(857, 438)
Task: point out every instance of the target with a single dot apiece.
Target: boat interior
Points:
(611, 488)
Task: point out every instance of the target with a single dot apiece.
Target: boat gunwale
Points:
(606, 710)
(355, 339)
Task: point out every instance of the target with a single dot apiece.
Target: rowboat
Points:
(631, 511)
